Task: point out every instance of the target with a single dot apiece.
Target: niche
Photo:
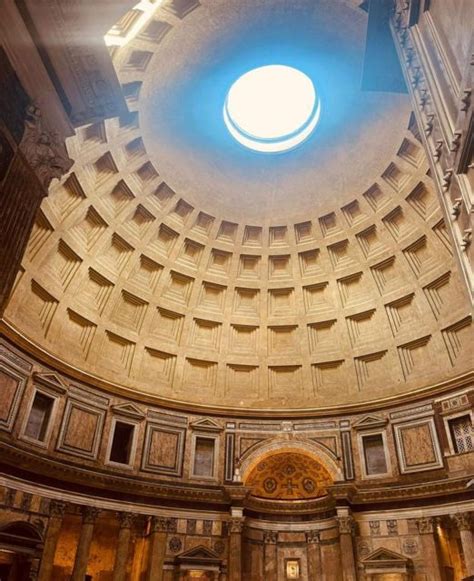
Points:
(39, 417)
(122, 443)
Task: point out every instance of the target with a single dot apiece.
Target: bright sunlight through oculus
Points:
(272, 108)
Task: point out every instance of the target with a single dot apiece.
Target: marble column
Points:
(89, 516)
(315, 569)
(56, 514)
(123, 545)
(427, 530)
(235, 549)
(270, 555)
(464, 523)
(158, 537)
(346, 532)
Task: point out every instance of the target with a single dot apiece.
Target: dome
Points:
(175, 264)
(235, 291)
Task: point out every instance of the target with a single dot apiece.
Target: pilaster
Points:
(270, 555)
(315, 570)
(464, 522)
(236, 526)
(56, 514)
(427, 530)
(346, 531)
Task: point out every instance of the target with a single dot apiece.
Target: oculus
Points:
(272, 109)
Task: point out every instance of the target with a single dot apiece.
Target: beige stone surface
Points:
(137, 281)
(351, 306)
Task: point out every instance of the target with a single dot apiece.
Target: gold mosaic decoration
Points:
(289, 476)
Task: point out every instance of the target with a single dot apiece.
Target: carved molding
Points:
(370, 421)
(450, 148)
(51, 380)
(43, 150)
(129, 410)
(426, 525)
(206, 425)
(83, 71)
(15, 455)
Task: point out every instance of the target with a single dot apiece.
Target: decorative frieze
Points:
(312, 537)
(270, 537)
(374, 527)
(426, 525)
(392, 528)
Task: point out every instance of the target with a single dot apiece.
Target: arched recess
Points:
(309, 448)
(21, 545)
(20, 533)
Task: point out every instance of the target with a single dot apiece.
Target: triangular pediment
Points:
(369, 421)
(199, 553)
(51, 380)
(382, 555)
(128, 409)
(207, 424)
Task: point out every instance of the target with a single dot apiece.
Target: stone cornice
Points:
(320, 508)
(140, 486)
(87, 477)
(237, 494)
(412, 491)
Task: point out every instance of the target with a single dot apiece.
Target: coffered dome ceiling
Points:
(176, 264)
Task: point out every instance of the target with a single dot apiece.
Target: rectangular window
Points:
(462, 434)
(374, 454)
(40, 414)
(122, 441)
(204, 457)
